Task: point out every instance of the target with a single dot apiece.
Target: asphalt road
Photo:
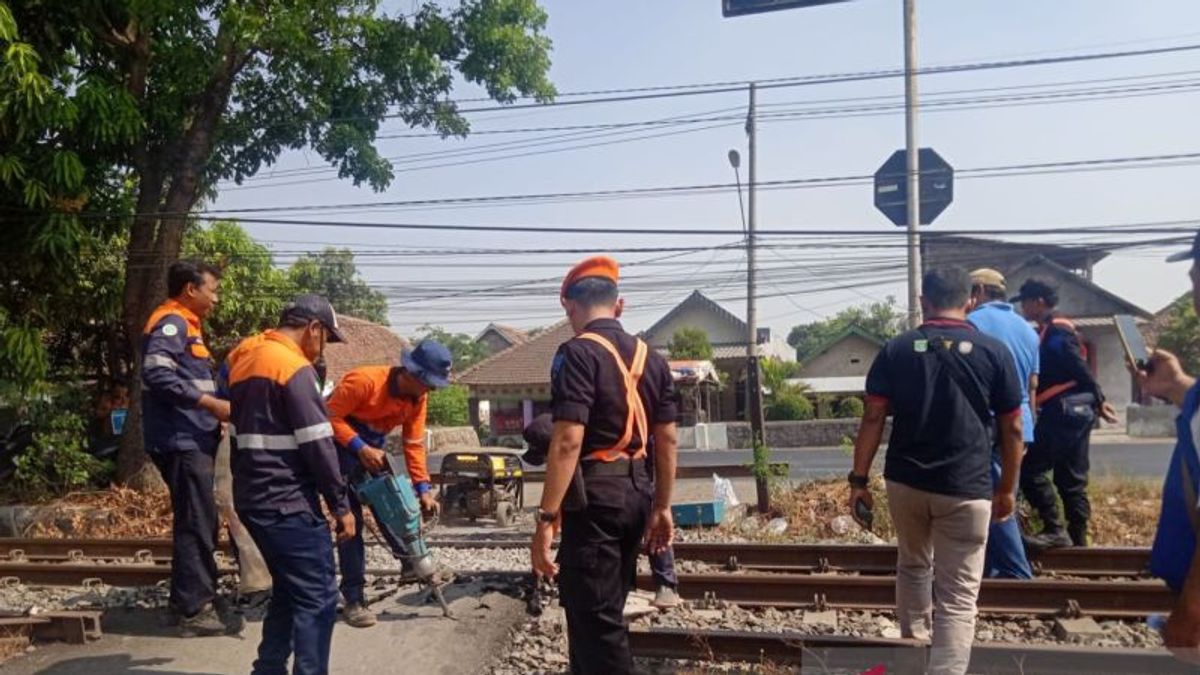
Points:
(1141, 459)
(1134, 459)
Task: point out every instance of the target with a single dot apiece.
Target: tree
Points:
(1181, 333)
(448, 407)
(788, 407)
(253, 291)
(465, 351)
(690, 344)
(135, 110)
(881, 319)
(332, 273)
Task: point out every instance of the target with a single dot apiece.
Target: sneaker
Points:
(204, 622)
(253, 600)
(357, 615)
(665, 598)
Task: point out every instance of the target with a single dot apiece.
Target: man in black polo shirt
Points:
(946, 385)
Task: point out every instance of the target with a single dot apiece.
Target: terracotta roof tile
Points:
(527, 363)
(367, 344)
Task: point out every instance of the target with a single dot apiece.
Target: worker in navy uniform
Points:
(181, 418)
(283, 457)
(537, 437)
(610, 392)
(1069, 398)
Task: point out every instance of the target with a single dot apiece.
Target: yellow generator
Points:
(488, 483)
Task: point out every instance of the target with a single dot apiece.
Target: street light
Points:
(735, 160)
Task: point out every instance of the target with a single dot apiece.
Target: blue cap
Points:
(429, 362)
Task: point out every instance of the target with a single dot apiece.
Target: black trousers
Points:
(597, 568)
(189, 478)
(1058, 459)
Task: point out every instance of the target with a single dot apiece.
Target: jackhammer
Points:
(397, 512)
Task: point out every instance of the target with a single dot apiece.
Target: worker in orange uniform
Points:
(366, 406)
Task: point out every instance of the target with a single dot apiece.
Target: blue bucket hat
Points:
(429, 362)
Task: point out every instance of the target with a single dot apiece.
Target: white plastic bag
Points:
(723, 491)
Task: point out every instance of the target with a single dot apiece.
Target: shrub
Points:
(851, 406)
(57, 462)
(789, 407)
(448, 407)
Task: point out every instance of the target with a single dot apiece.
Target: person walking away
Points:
(1069, 399)
(1174, 557)
(1005, 557)
(609, 393)
(283, 457)
(180, 425)
(365, 407)
(537, 437)
(944, 383)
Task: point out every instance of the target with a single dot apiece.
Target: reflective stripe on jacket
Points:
(364, 409)
(283, 453)
(176, 372)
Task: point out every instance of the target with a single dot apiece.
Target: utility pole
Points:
(754, 403)
(914, 163)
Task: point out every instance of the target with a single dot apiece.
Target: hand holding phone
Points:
(1136, 353)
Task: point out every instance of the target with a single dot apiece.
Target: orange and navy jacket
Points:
(1063, 361)
(176, 372)
(364, 408)
(282, 443)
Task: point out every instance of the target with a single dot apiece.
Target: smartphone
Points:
(1136, 353)
(864, 514)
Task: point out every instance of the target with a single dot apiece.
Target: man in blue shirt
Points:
(1005, 556)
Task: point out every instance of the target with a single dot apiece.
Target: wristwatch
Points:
(544, 516)
(857, 480)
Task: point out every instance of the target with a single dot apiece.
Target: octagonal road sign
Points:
(936, 187)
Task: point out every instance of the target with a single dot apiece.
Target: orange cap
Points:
(596, 266)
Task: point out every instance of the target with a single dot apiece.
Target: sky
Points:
(1139, 106)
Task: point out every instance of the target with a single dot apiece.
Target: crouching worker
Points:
(366, 406)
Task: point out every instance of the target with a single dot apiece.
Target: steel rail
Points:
(783, 558)
(864, 654)
(998, 596)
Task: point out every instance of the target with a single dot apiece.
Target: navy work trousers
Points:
(662, 568)
(189, 477)
(597, 568)
(303, 607)
(1060, 449)
(352, 554)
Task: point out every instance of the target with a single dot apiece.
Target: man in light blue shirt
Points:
(1005, 557)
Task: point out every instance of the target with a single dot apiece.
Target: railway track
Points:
(1116, 599)
(831, 653)
(778, 558)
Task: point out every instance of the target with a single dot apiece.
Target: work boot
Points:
(357, 615)
(204, 622)
(1047, 540)
(666, 597)
(1079, 533)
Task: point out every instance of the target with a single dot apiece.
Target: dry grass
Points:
(1124, 511)
(113, 513)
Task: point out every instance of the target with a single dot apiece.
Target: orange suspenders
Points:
(636, 418)
(1062, 387)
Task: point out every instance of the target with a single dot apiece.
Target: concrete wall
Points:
(806, 434)
(852, 355)
(719, 331)
(1109, 357)
(1151, 421)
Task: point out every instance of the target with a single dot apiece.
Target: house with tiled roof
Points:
(727, 334)
(508, 389)
(498, 337)
(367, 344)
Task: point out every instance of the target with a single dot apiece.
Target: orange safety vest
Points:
(1062, 387)
(635, 419)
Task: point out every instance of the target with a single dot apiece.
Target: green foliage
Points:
(252, 292)
(58, 461)
(789, 406)
(463, 348)
(23, 358)
(851, 406)
(332, 273)
(690, 344)
(776, 373)
(883, 320)
(1181, 334)
(448, 407)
